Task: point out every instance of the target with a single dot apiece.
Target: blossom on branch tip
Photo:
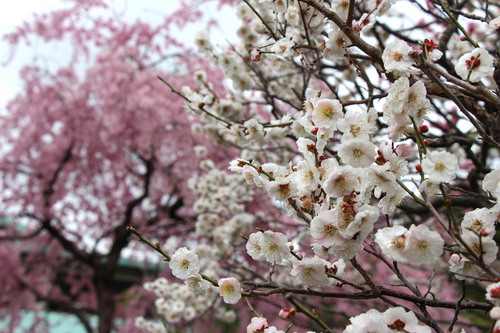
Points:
(357, 153)
(423, 244)
(491, 183)
(184, 263)
(230, 290)
(197, 284)
(397, 57)
(475, 65)
(440, 166)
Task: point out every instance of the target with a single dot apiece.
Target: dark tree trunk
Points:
(105, 302)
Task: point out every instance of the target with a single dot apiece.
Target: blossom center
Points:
(397, 56)
(273, 247)
(330, 230)
(399, 242)
(473, 63)
(477, 225)
(357, 153)
(440, 166)
(422, 245)
(185, 263)
(398, 325)
(495, 292)
(355, 130)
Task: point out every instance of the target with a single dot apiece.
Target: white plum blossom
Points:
(357, 153)
(393, 242)
(283, 188)
(369, 322)
(356, 125)
(310, 271)
(184, 263)
(274, 246)
(495, 23)
(197, 284)
(326, 113)
(398, 320)
(493, 293)
(463, 267)
(423, 244)
(484, 247)
(478, 219)
(475, 65)
(440, 166)
(491, 183)
(283, 47)
(325, 228)
(230, 290)
(397, 57)
(253, 246)
(341, 182)
(335, 45)
(392, 200)
(257, 324)
(292, 15)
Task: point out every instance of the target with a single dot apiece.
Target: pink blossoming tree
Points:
(363, 197)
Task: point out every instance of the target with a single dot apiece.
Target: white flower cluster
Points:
(177, 301)
(392, 320)
(344, 175)
(180, 302)
(220, 207)
(478, 230)
(402, 103)
(419, 244)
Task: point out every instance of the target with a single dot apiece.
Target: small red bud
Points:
(448, 202)
(314, 130)
(256, 57)
(426, 142)
(485, 232)
(463, 38)
(418, 167)
(287, 313)
(423, 128)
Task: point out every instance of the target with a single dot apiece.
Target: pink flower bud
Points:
(256, 57)
(403, 150)
(485, 232)
(299, 255)
(455, 258)
(423, 128)
(287, 313)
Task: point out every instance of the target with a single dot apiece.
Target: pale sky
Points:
(22, 10)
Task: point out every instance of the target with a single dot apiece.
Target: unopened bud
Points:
(495, 313)
(418, 167)
(455, 258)
(448, 202)
(256, 57)
(485, 232)
(314, 130)
(299, 255)
(287, 313)
(423, 128)
(403, 150)
(426, 142)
